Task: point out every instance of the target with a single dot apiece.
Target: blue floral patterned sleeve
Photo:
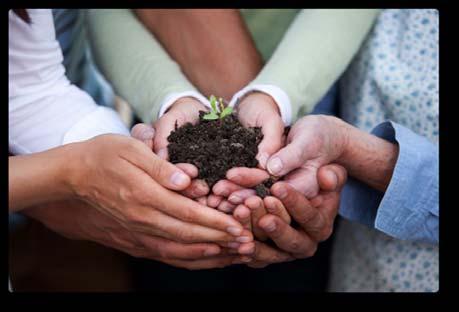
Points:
(409, 208)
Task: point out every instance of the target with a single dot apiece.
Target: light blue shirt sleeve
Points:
(409, 208)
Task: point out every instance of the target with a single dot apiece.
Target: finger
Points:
(211, 263)
(202, 200)
(184, 232)
(257, 209)
(273, 129)
(214, 200)
(224, 188)
(242, 214)
(161, 171)
(240, 196)
(304, 180)
(226, 206)
(300, 209)
(186, 210)
(287, 238)
(267, 254)
(246, 249)
(164, 126)
(275, 207)
(247, 177)
(290, 157)
(331, 177)
(145, 133)
(189, 169)
(174, 250)
(197, 189)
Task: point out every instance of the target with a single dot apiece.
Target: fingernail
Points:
(232, 176)
(162, 153)
(275, 165)
(270, 227)
(263, 159)
(249, 251)
(331, 174)
(211, 252)
(233, 245)
(234, 230)
(245, 259)
(281, 193)
(235, 199)
(147, 134)
(179, 179)
(243, 239)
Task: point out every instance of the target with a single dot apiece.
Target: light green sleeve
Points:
(136, 65)
(314, 52)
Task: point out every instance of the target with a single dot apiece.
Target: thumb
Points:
(164, 126)
(273, 131)
(290, 157)
(168, 175)
(144, 132)
(331, 177)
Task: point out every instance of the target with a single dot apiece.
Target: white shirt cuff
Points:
(172, 97)
(102, 120)
(280, 98)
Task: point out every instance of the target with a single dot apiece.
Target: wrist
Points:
(72, 169)
(342, 138)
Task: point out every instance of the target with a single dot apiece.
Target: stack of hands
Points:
(148, 207)
(307, 193)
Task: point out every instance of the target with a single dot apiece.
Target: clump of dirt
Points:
(215, 146)
(262, 189)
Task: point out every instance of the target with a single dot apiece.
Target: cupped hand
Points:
(198, 189)
(313, 141)
(271, 217)
(258, 109)
(184, 110)
(124, 179)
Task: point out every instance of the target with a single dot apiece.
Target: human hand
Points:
(184, 110)
(124, 179)
(268, 218)
(313, 141)
(258, 109)
(79, 221)
(198, 188)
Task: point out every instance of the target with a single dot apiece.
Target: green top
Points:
(309, 57)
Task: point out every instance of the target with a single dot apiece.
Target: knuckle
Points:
(157, 169)
(306, 216)
(188, 214)
(311, 251)
(185, 235)
(294, 245)
(326, 233)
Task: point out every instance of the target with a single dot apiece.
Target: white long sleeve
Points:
(45, 110)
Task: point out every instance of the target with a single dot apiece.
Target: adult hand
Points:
(198, 188)
(313, 141)
(259, 110)
(268, 218)
(124, 179)
(184, 110)
(78, 220)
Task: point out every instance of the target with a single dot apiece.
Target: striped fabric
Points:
(81, 71)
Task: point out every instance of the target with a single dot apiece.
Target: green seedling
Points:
(216, 113)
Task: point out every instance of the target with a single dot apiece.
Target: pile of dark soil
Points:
(215, 146)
